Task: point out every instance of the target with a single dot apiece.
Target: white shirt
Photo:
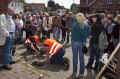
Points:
(45, 23)
(3, 29)
(21, 23)
(11, 24)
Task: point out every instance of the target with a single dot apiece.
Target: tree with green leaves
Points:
(23, 1)
(74, 8)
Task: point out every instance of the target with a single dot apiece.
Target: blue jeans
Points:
(8, 49)
(20, 34)
(56, 33)
(115, 42)
(77, 50)
(94, 55)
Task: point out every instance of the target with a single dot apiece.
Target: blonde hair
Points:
(117, 19)
(81, 19)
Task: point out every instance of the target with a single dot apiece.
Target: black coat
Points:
(115, 32)
(96, 29)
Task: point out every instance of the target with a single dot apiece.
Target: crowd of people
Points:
(77, 26)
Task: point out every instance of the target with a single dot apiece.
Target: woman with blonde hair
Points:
(80, 32)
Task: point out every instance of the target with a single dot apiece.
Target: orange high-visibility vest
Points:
(54, 46)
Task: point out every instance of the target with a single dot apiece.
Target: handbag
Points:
(85, 50)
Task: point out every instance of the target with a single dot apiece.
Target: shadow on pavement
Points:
(1, 69)
(51, 67)
(37, 62)
(67, 45)
(21, 48)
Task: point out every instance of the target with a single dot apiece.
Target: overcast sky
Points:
(66, 3)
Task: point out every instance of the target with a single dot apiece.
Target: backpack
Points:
(103, 42)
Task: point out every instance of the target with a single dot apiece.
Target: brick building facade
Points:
(108, 6)
(34, 6)
(18, 5)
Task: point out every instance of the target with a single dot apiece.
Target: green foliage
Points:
(74, 8)
(23, 1)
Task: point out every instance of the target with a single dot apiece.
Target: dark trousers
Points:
(68, 36)
(94, 55)
(63, 34)
(8, 50)
(58, 58)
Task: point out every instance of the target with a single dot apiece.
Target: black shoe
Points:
(7, 67)
(89, 67)
(12, 62)
(96, 69)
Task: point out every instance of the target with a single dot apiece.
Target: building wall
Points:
(4, 3)
(82, 3)
(35, 6)
(17, 5)
(109, 6)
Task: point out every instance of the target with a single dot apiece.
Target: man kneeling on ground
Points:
(55, 51)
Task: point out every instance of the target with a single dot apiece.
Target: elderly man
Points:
(47, 25)
(3, 32)
(8, 47)
(3, 24)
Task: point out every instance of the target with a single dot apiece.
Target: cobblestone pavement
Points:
(23, 70)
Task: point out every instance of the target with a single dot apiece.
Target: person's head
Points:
(109, 20)
(10, 11)
(70, 14)
(95, 18)
(17, 16)
(81, 18)
(117, 19)
(34, 17)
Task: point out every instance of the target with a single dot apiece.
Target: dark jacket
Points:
(115, 32)
(57, 22)
(96, 29)
(69, 23)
